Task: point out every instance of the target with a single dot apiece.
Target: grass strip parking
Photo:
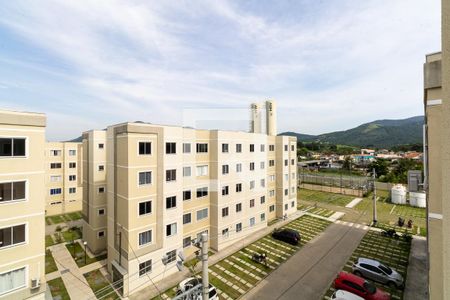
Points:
(58, 289)
(324, 212)
(236, 274)
(392, 252)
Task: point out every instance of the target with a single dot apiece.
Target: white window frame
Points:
(25, 242)
(200, 170)
(18, 200)
(25, 286)
(202, 209)
(151, 238)
(151, 208)
(145, 184)
(151, 148)
(98, 234)
(187, 168)
(171, 229)
(99, 209)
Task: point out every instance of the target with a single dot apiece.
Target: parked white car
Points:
(344, 295)
(191, 282)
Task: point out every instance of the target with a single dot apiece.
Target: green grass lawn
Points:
(57, 219)
(98, 282)
(58, 289)
(49, 241)
(71, 235)
(324, 197)
(50, 265)
(394, 253)
(75, 215)
(78, 255)
(234, 275)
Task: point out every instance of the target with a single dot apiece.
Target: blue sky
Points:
(330, 65)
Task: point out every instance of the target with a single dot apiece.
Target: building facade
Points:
(166, 185)
(63, 177)
(22, 205)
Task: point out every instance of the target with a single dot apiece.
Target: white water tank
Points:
(417, 199)
(398, 194)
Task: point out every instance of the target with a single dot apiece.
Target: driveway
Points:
(307, 275)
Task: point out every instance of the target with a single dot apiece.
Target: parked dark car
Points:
(287, 235)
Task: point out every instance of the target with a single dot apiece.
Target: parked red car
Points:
(359, 286)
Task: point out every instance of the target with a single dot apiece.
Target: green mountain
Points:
(379, 134)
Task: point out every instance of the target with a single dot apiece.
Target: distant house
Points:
(367, 152)
(363, 158)
(413, 155)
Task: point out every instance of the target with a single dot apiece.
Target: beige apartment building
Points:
(437, 143)
(22, 205)
(165, 185)
(63, 177)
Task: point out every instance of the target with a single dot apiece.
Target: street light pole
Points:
(374, 199)
(205, 279)
(85, 252)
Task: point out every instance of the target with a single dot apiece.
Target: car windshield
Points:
(370, 288)
(386, 269)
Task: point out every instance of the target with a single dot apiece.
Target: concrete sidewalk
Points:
(416, 282)
(308, 274)
(76, 284)
(170, 281)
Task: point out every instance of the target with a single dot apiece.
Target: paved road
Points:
(308, 274)
(416, 282)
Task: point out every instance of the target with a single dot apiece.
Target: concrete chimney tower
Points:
(255, 121)
(271, 117)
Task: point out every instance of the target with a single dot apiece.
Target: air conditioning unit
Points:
(35, 283)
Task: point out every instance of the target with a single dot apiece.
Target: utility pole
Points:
(205, 279)
(374, 199)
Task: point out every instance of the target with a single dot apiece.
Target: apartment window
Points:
(101, 168)
(11, 236)
(252, 222)
(55, 166)
(12, 191)
(171, 202)
(101, 189)
(238, 207)
(101, 211)
(225, 148)
(263, 199)
(72, 190)
(285, 147)
(225, 212)
(293, 175)
(145, 237)
(225, 190)
(186, 171)
(292, 147)
(252, 203)
(292, 161)
(263, 148)
(263, 217)
(271, 193)
(271, 147)
(238, 148)
(72, 152)
(145, 148)
(202, 170)
(225, 169)
(238, 168)
(171, 256)
(145, 267)
(187, 242)
(262, 165)
(187, 218)
(171, 175)
(12, 280)
(202, 148)
(225, 232)
(286, 192)
(171, 229)
(100, 234)
(252, 147)
(72, 177)
(186, 148)
(202, 192)
(263, 182)
(292, 203)
(271, 208)
(145, 208)
(56, 191)
(101, 146)
(171, 148)
(272, 178)
(55, 152)
(145, 178)
(271, 163)
(12, 147)
(252, 166)
(286, 162)
(202, 214)
(286, 177)
(238, 187)
(72, 165)
(238, 227)
(187, 195)
(286, 207)
(56, 178)
(252, 184)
